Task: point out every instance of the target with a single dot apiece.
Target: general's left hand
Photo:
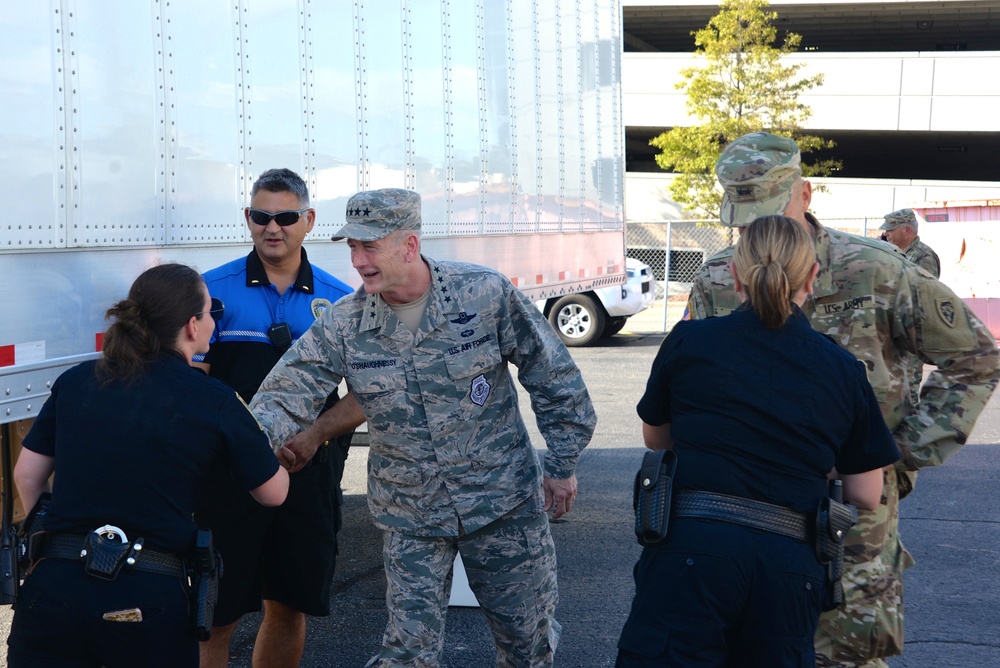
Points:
(559, 495)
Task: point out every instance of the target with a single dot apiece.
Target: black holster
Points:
(33, 531)
(651, 496)
(11, 547)
(833, 520)
(14, 561)
(206, 569)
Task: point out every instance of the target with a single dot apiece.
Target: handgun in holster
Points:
(206, 569)
(10, 550)
(15, 555)
(834, 519)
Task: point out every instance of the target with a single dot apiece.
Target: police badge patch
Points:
(480, 390)
(946, 309)
(318, 306)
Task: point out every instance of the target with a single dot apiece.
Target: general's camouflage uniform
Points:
(449, 453)
(880, 307)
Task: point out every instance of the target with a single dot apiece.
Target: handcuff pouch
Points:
(106, 554)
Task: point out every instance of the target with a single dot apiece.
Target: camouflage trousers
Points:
(511, 565)
(869, 624)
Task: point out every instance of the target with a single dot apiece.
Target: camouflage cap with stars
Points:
(374, 214)
(897, 218)
(757, 173)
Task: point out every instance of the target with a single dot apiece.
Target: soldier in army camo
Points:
(425, 347)
(900, 229)
(881, 308)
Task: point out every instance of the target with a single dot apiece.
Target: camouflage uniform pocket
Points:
(944, 322)
(394, 471)
(868, 627)
(474, 361)
(383, 398)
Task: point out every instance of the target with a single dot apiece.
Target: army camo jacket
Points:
(447, 438)
(924, 256)
(879, 307)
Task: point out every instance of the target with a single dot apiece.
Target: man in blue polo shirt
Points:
(284, 555)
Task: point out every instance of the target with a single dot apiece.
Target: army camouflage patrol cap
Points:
(897, 218)
(757, 173)
(374, 214)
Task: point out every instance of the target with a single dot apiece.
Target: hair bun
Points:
(127, 312)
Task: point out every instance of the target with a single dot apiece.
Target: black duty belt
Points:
(747, 512)
(70, 546)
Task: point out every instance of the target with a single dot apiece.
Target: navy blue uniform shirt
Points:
(136, 455)
(764, 413)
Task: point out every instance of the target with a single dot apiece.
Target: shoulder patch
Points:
(318, 306)
(944, 320)
(240, 399)
(946, 310)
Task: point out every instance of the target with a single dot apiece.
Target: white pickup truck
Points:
(585, 317)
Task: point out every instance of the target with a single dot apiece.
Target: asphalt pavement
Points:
(951, 523)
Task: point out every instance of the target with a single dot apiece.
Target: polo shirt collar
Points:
(257, 275)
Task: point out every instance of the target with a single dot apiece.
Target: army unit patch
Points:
(946, 310)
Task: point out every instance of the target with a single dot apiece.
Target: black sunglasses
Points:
(218, 308)
(282, 218)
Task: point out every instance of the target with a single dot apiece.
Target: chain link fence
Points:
(690, 243)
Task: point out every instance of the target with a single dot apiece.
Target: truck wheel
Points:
(578, 319)
(614, 326)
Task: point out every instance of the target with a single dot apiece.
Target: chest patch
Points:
(479, 391)
(851, 304)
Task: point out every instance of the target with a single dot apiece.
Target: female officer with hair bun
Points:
(760, 409)
(131, 438)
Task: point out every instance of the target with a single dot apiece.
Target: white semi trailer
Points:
(131, 131)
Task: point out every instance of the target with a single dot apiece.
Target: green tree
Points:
(743, 87)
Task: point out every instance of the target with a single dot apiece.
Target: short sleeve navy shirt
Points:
(137, 454)
(764, 413)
